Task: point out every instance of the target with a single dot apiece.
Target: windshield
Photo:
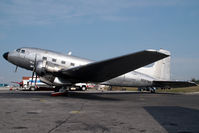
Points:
(22, 51)
(18, 50)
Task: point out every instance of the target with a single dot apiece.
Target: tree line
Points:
(195, 80)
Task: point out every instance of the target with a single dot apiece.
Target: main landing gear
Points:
(151, 89)
(60, 91)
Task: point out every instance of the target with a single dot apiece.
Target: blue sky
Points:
(101, 29)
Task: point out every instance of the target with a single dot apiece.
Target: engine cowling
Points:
(51, 67)
(40, 68)
(51, 80)
(44, 67)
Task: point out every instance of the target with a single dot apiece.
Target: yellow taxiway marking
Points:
(42, 100)
(74, 112)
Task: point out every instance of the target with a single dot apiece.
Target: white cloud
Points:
(51, 11)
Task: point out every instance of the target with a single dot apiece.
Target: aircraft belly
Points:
(136, 80)
(118, 81)
(131, 80)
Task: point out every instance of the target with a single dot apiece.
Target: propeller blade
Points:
(34, 68)
(36, 80)
(33, 73)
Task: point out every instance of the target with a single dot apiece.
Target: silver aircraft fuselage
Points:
(25, 57)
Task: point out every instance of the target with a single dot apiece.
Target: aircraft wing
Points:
(107, 69)
(173, 84)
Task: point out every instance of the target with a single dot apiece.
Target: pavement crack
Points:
(65, 121)
(60, 124)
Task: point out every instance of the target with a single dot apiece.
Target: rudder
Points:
(161, 69)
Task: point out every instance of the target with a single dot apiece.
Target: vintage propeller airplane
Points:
(64, 71)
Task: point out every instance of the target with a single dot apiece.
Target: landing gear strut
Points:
(60, 90)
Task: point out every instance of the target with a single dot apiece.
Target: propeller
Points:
(34, 70)
(35, 80)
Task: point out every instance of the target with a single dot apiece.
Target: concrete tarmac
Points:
(131, 112)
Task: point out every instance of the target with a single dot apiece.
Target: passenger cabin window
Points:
(23, 51)
(44, 58)
(63, 62)
(72, 64)
(54, 60)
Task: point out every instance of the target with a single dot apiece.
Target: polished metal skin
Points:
(65, 70)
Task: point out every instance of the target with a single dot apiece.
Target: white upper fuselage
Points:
(25, 57)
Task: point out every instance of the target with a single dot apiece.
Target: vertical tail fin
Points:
(161, 69)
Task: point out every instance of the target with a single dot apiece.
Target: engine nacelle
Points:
(40, 69)
(44, 67)
(55, 81)
(51, 67)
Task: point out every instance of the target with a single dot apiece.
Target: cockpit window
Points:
(22, 51)
(18, 50)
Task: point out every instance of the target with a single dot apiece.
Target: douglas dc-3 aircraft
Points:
(64, 71)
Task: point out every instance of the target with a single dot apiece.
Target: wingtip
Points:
(151, 50)
(165, 52)
(161, 51)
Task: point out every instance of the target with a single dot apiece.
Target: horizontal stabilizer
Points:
(107, 69)
(173, 84)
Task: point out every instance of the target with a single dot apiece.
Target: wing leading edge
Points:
(107, 69)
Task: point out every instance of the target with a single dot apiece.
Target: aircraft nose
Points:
(5, 55)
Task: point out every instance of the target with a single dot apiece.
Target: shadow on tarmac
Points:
(124, 92)
(102, 96)
(25, 94)
(175, 119)
(91, 96)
